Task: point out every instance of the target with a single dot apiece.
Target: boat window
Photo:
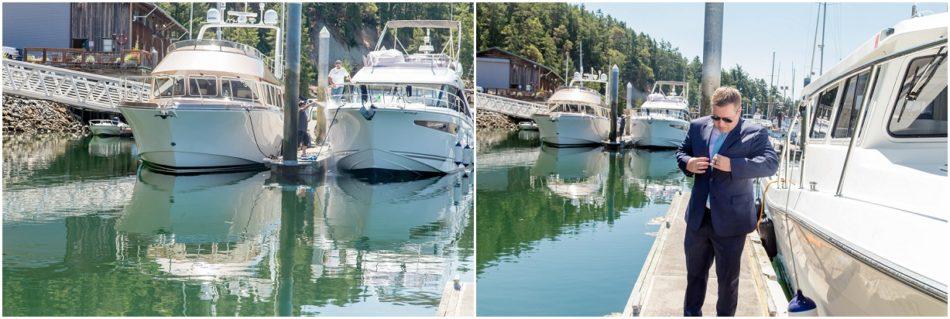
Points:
(820, 121)
(921, 108)
(851, 102)
(167, 86)
(203, 87)
(238, 89)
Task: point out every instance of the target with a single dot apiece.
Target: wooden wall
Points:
(95, 21)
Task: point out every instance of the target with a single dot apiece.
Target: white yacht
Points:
(663, 120)
(215, 105)
(577, 115)
(113, 127)
(860, 211)
(405, 111)
(757, 118)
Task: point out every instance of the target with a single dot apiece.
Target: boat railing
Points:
(223, 46)
(398, 96)
(661, 114)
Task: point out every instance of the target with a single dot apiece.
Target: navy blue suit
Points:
(719, 231)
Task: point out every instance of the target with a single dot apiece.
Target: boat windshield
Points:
(402, 96)
(206, 87)
(579, 108)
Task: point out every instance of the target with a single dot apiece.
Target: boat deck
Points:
(661, 284)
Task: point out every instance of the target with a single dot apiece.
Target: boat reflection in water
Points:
(398, 236)
(656, 172)
(577, 174)
(110, 146)
(228, 244)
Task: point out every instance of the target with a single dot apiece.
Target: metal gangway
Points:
(78, 89)
(511, 107)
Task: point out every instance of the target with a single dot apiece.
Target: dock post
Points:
(292, 83)
(712, 54)
(629, 95)
(614, 90)
(323, 58)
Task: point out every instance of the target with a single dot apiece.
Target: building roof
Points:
(164, 13)
(529, 61)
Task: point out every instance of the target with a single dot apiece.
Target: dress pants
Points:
(702, 247)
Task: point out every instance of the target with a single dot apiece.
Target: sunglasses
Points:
(724, 119)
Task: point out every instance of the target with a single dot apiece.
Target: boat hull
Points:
(840, 279)
(109, 130)
(565, 129)
(660, 133)
(391, 140)
(205, 139)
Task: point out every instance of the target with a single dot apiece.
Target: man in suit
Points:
(724, 154)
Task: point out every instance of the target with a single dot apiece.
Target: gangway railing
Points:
(511, 107)
(78, 89)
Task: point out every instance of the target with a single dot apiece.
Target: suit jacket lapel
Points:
(732, 137)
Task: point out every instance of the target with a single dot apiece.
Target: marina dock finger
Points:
(661, 285)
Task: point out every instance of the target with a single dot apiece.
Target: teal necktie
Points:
(716, 144)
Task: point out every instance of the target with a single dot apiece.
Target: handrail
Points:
(81, 89)
(508, 106)
(80, 57)
(386, 95)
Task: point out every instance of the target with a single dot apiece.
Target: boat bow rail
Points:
(75, 88)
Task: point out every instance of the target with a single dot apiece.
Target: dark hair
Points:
(726, 95)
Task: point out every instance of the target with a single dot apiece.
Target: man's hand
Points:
(722, 163)
(697, 165)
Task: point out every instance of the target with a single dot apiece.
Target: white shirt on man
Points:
(338, 75)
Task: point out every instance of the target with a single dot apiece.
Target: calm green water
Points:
(564, 232)
(88, 233)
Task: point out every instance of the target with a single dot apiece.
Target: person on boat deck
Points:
(724, 154)
(302, 118)
(338, 76)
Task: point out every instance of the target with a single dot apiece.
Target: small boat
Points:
(405, 111)
(663, 119)
(859, 203)
(112, 127)
(216, 105)
(577, 115)
(757, 118)
(527, 126)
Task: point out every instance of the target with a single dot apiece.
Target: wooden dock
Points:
(457, 302)
(661, 285)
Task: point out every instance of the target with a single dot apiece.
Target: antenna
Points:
(582, 57)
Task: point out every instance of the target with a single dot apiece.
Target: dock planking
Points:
(458, 302)
(661, 285)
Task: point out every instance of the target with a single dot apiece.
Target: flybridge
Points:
(241, 19)
(426, 52)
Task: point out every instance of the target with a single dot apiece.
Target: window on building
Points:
(106, 45)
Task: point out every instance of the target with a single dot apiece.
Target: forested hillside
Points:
(346, 23)
(551, 33)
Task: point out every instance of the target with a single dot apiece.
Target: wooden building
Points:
(90, 33)
(499, 69)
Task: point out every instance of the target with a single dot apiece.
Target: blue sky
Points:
(751, 31)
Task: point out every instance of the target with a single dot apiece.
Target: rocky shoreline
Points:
(488, 120)
(34, 116)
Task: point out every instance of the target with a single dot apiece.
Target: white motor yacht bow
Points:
(663, 120)
(578, 115)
